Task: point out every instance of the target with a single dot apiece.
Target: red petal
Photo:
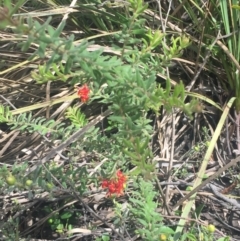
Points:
(83, 93)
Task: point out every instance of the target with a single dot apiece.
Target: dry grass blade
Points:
(44, 104)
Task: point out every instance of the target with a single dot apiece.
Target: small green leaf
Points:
(224, 239)
(68, 65)
(105, 238)
(66, 215)
(50, 30)
(139, 31)
(60, 227)
(18, 4)
(166, 230)
(41, 50)
(59, 30)
(45, 39)
(205, 176)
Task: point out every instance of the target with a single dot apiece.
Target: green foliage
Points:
(103, 238)
(7, 11)
(25, 121)
(54, 73)
(143, 210)
(224, 19)
(126, 83)
(131, 80)
(5, 114)
(60, 222)
(75, 115)
(10, 230)
(230, 18)
(42, 178)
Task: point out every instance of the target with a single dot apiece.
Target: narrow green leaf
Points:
(17, 5)
(68, 65)
(66, 215)
(59, 30)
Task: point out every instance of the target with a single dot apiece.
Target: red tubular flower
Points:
(83, 93)
(104, 183)
(115, 185)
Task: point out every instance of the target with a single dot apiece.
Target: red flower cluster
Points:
(115, 185)
(83, 93)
